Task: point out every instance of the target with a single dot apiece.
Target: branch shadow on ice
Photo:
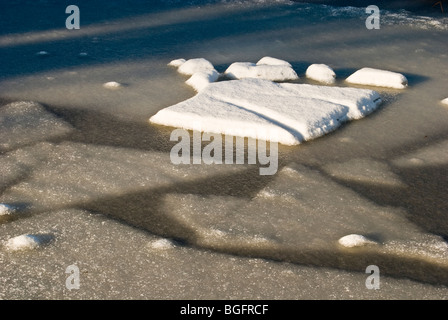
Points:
(104, 129)
(143, 209)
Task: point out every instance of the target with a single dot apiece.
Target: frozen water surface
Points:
(81, 164)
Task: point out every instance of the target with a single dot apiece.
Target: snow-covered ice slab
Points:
(261, 109)
(25, 122)
(377, 77)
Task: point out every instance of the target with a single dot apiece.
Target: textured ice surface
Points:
(76, 173)
(321, 73)
(376, 77)
(285, 216)
(365, 171)
(286, 113)
(24, 122)
(433, 155)
(117, 261)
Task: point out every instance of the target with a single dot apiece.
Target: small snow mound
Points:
(5, 209)
(42, 53)
(112, 85)
(445, 101)
(162, 244)
(377, 77)
(354, 240)
(200, 80)
(176, 63)
(192, 66)
(27, 242)
(321, 73)
(242, 70)
(273, 62)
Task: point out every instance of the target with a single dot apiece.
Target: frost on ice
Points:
(24, 122)
(377, 77)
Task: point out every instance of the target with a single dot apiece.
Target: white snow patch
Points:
(242, 70)
(26, 122)
(273, 62)
(112, 85)
(377, 77)
(5, 209)
(162, 244)
(354, 240)
(42, 53)
(261, 109)
(321, 73)
(176, 63)
(201, 79)
(192, 66)
(27, 242)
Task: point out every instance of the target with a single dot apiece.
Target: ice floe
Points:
(261, 109)
(321, 73)
(377, 77)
